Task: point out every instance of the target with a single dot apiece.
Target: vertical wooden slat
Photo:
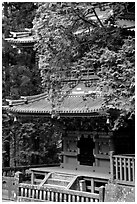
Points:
(44, 195)
(29, 193)
(116, 163)
(48, 195)
(37, 194)
(73, 198)
(87, 199)
(33, 193)
(133, 168)
(125, 173)
(22, 190)
(69, 198)
(26, 190)
(56, 196)
(120, 165)
(78, 198)
(60, 197)
(82, 199)
(40, 195)
(129, 169)
(52, 196)
(65, 197)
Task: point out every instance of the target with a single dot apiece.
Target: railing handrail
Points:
(122, 168)
(123, 156)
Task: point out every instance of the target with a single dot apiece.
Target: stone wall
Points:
(119, 193)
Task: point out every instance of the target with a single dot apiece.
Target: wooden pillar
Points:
(32, 177)
(78, 150)
(111, 143)
(82, 185)
(96, 152)
(92, 185)
(111, 164)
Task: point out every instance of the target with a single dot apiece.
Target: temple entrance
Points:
(86, 146)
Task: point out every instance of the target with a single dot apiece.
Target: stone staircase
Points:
(59, 179)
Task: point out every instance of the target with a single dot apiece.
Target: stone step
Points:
(59, 182)
(59, 176)
(54, 186)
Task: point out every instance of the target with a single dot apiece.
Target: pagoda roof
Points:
(81, 100)
(103, 10)
(22, 37)
(25, 39)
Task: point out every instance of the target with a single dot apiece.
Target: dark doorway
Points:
(86, 146)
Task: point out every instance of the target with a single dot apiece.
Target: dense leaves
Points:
(70, 40)
(20, 73)
(17, 16)
(20, 76)
(30, 141)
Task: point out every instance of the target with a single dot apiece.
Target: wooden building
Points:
(87, 139)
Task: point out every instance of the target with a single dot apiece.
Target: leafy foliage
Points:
(69, 40)
(17, 16)
(20, 75)
(30, 141)
(19, 65)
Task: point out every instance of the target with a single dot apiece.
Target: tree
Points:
(19, 69)
(17, 16)
(20, 75)
(69, 39)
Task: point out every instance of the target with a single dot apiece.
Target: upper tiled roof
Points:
(80, 100)
(27, 39)
(21, 37)
(103, 10)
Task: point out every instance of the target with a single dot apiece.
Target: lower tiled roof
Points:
(80, 100)
(78, 104)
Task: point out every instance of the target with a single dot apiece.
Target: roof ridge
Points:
(34, 96)
(26, 99)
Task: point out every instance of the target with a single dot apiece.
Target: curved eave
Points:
(20, 41)
(24, 112)
(62, 113)
(82, 101)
